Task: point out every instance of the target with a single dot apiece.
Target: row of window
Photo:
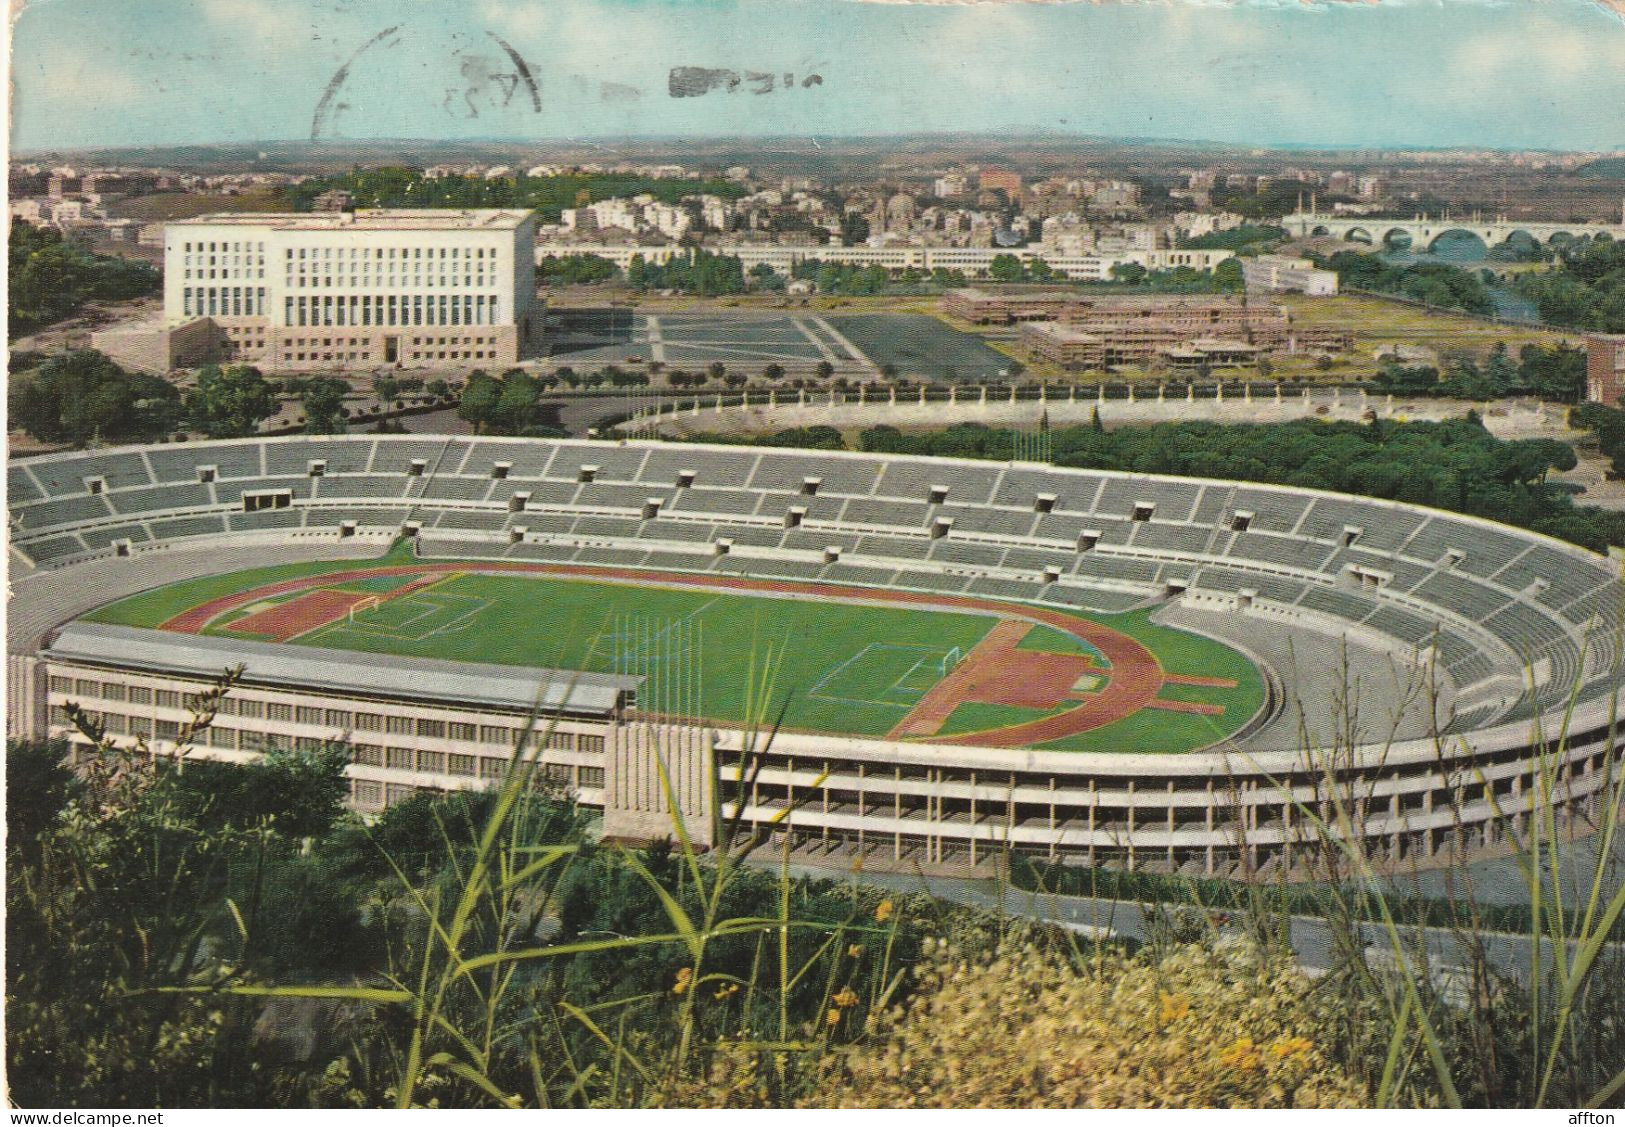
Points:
(391, 310)
(223, 301)
(221, 736)
(369, 795)
(257, 248)
(386, 254)
(339, 719)
(367, 280)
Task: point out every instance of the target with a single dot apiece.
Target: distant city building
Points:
(335, 200)
(972, 261)
(1277, 273)
(1605, 368)
(348, 289)
(999, 180)
(1077, 332)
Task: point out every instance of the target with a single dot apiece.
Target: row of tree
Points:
(50, 278)
(81, 398)
(1557, 374)
(1252, 237)
(1586, 290)
(697, 272)
(397, 186)
(1435, 284)
(506, 404)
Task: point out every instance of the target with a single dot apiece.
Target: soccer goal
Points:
(951, 659)
(365, 604)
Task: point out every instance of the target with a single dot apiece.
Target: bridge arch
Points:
(1455, 234)
(1520, 245)
(1398, 238)
(1358, 235)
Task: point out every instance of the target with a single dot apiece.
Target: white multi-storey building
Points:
(368, 288)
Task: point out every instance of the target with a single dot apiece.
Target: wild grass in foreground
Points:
(167, 916)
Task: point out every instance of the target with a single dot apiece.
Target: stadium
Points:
(954, 658)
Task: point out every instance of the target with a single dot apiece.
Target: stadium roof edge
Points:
(341, 671)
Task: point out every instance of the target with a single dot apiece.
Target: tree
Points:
(230, 402)
(718, 369)
(824, 370)
(440, 389)
(83, 396)
(773, 371)
(478, 405)
(50, 278)
(1005, 268)
(516, 404)
(323, 401)
(386, 388)
(1227, 276)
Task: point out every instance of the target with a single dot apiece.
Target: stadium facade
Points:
(368, 288)
(1486, 660)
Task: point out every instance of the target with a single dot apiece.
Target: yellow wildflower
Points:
(883, 911)
(1174, 1007)
(855, 950)
(683, 977)
(727, 990)
(1292, 1047)
(846, 998)
(833, 1017)
(1241, 1056)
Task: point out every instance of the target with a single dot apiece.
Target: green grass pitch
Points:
(843, 668)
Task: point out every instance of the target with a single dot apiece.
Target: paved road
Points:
(1312, 940)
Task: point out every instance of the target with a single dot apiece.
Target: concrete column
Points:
(863, 394)
(1131, 391)
(953, 393)
(1012, 393)
(894, 396)
(773, 399)
(1162, 392)
(1190, 392)
(1277, 394)
(922, 395)
(1072, 394)
(1247, 392)
(1043, 392)
(801, 397)
(1100, 393)
(1218, 392)
(984, 395)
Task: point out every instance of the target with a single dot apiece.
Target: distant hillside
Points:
(1609, 168)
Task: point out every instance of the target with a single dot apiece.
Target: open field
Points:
(848, 661)
(1374, 322)
(162, 207)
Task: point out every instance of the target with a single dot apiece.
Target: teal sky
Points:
(1402, 73)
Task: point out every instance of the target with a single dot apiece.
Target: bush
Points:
(1201, 1026)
